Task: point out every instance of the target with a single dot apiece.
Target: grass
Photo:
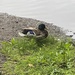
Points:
(28, 56)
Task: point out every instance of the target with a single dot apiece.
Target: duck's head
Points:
(41, 27)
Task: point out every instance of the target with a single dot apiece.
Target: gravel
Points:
(11, 25)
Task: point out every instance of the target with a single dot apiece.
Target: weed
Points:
(29, 56)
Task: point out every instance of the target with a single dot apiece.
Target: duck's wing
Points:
(28, 32)
(29, 28)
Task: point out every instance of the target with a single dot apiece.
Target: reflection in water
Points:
(60, 12)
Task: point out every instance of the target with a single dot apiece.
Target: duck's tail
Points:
(21, 34)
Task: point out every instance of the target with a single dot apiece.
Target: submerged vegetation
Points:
(28, 56)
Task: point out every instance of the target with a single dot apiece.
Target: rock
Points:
(69, 34)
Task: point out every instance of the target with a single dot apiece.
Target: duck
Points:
(39, 32)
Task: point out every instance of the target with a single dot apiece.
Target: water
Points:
(59, 12)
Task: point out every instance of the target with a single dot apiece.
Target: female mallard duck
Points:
(38, 33)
